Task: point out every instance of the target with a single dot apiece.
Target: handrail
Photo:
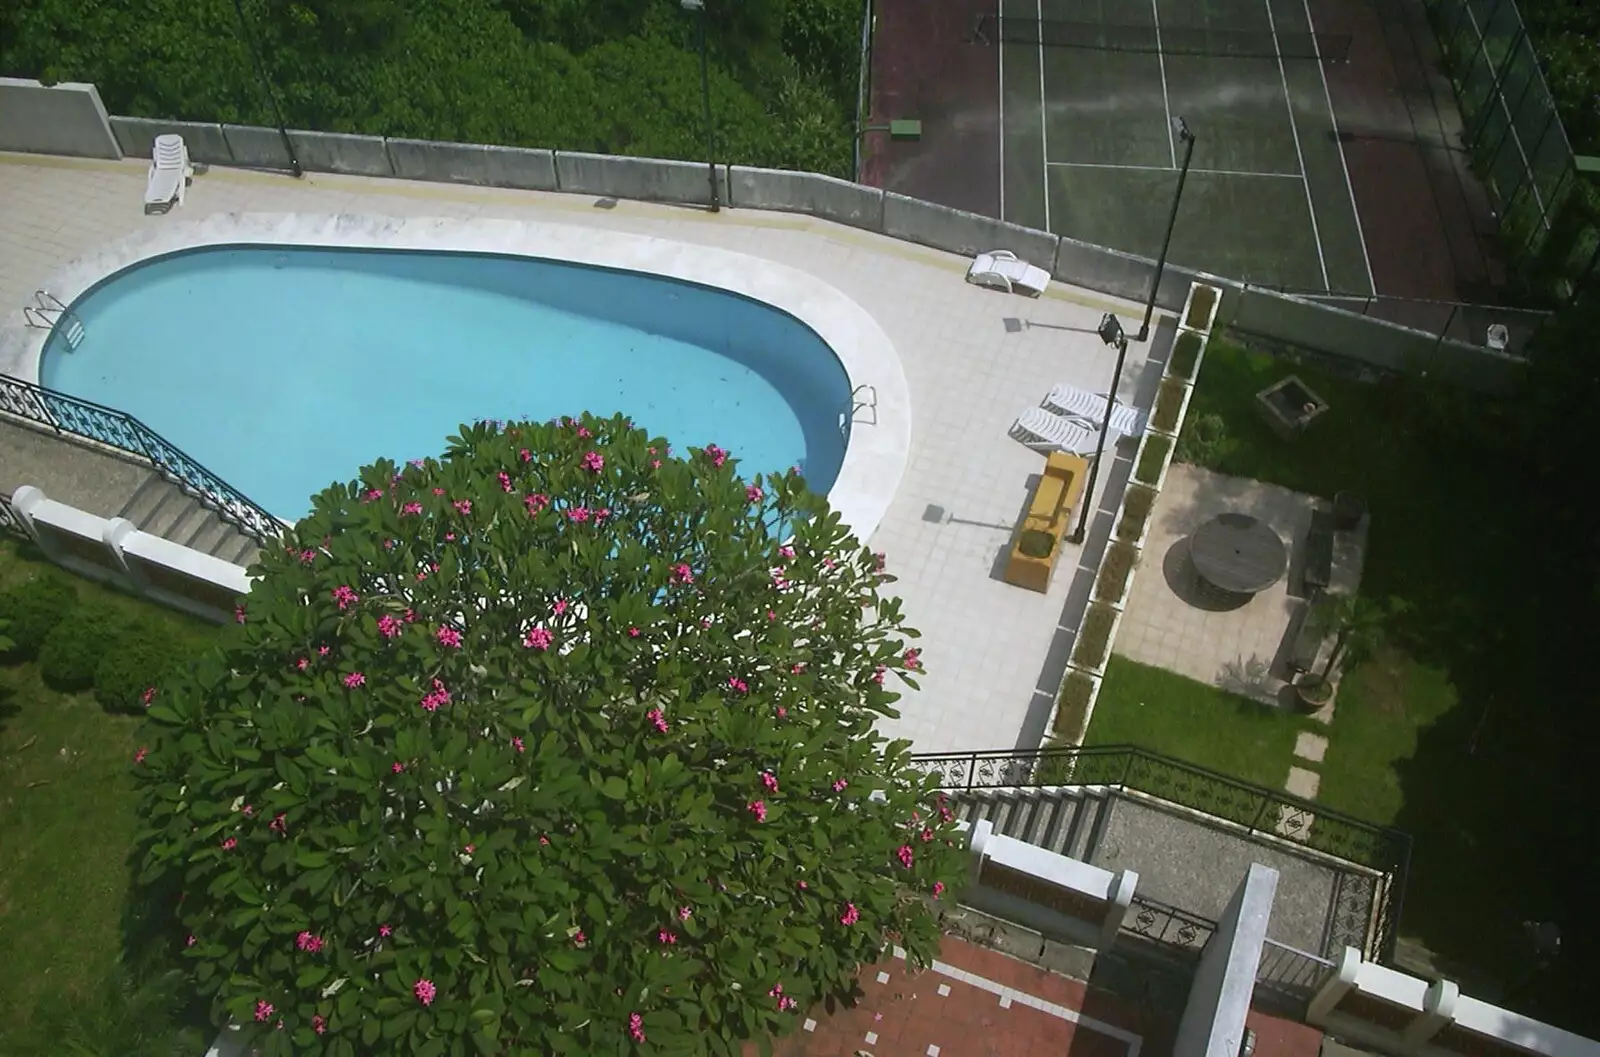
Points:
(120, 430)
(1256, 808)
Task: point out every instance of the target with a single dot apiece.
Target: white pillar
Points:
(1118, 900)
(114, 535)
(982, 830)
(1438, 1009)
(24, 501)
(1335, 988)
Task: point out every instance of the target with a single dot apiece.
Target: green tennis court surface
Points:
(1089, 149)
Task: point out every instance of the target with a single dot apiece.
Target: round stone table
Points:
(1238, 554)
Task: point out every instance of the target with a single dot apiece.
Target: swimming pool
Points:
(286, 368)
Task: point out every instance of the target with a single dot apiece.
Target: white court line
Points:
(1044, 133)
(1174, 168)
(1294, 129)
(1343, 164)
(1166, 101)
(1000, 52)
(1010, 996)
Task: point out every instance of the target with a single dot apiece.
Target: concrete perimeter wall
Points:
(69, 119)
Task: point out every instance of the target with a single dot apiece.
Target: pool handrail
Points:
(122, 431)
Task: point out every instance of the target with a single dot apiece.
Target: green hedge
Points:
(73, 650)
(32, 610)
(130, 673)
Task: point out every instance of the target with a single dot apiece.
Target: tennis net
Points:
(1166, 40)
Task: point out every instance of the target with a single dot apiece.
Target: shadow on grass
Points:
(1479, 720)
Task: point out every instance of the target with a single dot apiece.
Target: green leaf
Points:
(614, 788)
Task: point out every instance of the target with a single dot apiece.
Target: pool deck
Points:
(973, 359)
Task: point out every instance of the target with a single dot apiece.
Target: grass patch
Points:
(1200, 307)
(1151, 459)
(1169, 402)
(1136, 505)
(1072, 707)
(1167, 713)
(1094, 637)
(1185, 351)
(1115, 568)
(67, 826)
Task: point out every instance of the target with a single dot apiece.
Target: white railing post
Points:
(1333, 990)
(1117, 906)
(1438, 1009)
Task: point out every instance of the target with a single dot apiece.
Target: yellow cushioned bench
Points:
(1050, 511)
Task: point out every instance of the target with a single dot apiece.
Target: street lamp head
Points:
(1110, 329)
(1180, 126)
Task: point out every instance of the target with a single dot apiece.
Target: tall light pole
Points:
(266, 86)
(705, 95)
(1184, 134)
(1111, 332)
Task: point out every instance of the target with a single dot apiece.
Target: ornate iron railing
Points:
(1290, 972)
(1168, 925)
(9, 522)
(1256, 808)
(106, 425)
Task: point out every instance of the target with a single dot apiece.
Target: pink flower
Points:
(783, 713)
(373, 494)
(903, 853)
(878, 673)
(579, 938)
(850, 916)
(738, 684)
(758, 808)
(449, 537)
(345, 596)
(139, 756)
(525, 455)
(436, 698)
(633, 633)
(354, 680)
(438, 491)
(322, 651)
(279, 823)
(463, 506)
(717, 455)
(308, 942)
(307, 557)
(302, 664)
(229, 844)
(264, 1009)
(396, 767)
(682, 574)
(505, 481)
(663, 936)
(448, 636)
(636, 1027)
(769, 780)
(410, 616)
(594, 462)
(247, 811)
(786, 551)
(802, 885)
(912, 659)
(584, 432)
(579, 514)
(148, 696)
(470, 848)
(655, 464)
(786, 1003)
(425, 991)
(753, 493)
(516, 743)
(561, 605)
(772, 614)
(191, 941)
(538, 639)
(238, 614)
(779, 580)
(543, 840)
(839, 786)
(385, 931)
(684, 913)
(411, 509)
(319, 1023)
(797, 669)
(879, 561)
(657, 719)
(938, 889)
(389, 626)
(927, 834)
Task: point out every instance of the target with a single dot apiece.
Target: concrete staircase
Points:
(161, 508)
(1064, 819)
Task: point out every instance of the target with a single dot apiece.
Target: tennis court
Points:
(1088, 94)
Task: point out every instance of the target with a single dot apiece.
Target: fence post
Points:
(1119, 901)
(1334, 988)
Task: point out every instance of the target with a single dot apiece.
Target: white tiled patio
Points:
(973, 359)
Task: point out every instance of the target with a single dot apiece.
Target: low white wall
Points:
(64, 118)
(114, 551)
(1052, 894)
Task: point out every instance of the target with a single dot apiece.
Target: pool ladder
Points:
(862, 398)
(48, 313)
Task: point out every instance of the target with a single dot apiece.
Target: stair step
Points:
(239, 549)
(189, 524)
(1091, 811)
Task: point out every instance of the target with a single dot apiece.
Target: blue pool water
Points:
(284, 370)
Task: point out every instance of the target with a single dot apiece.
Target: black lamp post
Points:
(1111, 332)
(266, 86)
(705, 94)
(1182, 129)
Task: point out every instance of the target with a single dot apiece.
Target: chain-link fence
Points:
(1547, 204)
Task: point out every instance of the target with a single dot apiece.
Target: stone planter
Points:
(1312, 693)
(1090, 666)
(1289, 407)
(1202, 306)
(1069, 728)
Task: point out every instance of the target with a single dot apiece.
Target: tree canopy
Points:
(559, 743)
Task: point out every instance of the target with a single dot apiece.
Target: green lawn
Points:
(1466, 721)
(67, 820)
(1169, 713)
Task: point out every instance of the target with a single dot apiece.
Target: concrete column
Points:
(116, 533)
(1438, 1009)
(982, 830)
(1335, 988)
(24, 501)
(1118, 900)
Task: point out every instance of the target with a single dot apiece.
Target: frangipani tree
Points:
(551, 745)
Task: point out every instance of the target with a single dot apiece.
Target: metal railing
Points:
(117, 429)
(1257, 809)
(9, 521)
(1168, 925)
(1290, 972)
(1458, 321)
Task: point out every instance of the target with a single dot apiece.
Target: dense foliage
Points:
(556, 744)
(617, 76)
(1566, 35)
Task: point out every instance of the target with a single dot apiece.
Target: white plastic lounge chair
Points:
(170, 172)
(1046, 432)
(1090, 407)
(1002, 270)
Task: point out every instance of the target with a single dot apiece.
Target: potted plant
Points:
(1359, 625)
(1036, 543)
